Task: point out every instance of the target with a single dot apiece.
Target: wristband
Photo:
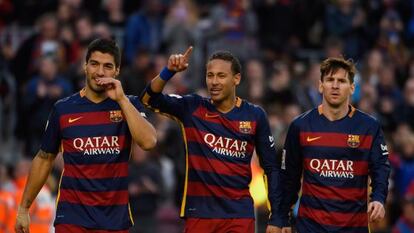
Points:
(166, 74)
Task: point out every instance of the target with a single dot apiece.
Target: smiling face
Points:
(336, 88)
(99, 65)
(220, 80)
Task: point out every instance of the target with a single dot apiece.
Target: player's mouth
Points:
(215, 91)
(335, 95)
(95, 79)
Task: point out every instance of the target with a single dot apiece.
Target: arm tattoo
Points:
(43, 155)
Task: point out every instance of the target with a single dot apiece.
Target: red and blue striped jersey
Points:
(96, 142)
(219, 149)
(335, 159)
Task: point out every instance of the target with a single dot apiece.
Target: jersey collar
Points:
(350, 113)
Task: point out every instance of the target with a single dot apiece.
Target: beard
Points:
(94, 87)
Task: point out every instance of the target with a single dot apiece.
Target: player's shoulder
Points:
(305, 117)
(187, 97)
(252, 108)
(134, 99)
(66, 101)
(195, 99)
(365, 118)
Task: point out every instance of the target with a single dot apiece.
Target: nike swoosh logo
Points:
(74, 119)
(211, 115)
(309, 139)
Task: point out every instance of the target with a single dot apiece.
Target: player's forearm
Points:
(275, 195)
(379, 176)
(157, 84)
(41, 166)
(142, 132)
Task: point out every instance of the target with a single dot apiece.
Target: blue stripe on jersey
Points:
(94, 130)
(95, 185)
(356, 182)
(110, 217)
(334, 153)
(207, 207)
(237, 182)
(218, 129)
(306, 225)
(334, 205)
(80, 159)
(203, 150)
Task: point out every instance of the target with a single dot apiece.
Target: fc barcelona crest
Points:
(353, 141)
(245, 127)
(115, 116)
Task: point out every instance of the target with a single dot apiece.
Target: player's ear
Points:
(352, 88)
(237, 79)
(320, 86)
(116, 72)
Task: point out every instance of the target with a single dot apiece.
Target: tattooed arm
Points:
(41, 166)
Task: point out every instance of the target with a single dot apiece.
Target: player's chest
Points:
(100, 122)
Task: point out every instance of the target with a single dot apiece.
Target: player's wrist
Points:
(22, 210)
(166, 74)
(123, 100)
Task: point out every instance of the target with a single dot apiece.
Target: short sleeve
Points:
(52, 137)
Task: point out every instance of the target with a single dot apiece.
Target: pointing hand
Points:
(179, 62)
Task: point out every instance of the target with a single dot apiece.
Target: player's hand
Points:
(112, 87)
(179, 62)
(376, 211)
(22, 221)
(287, 230)
(273, 229)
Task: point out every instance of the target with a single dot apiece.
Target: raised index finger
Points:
(188, 52)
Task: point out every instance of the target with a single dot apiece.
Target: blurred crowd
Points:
(280, 44)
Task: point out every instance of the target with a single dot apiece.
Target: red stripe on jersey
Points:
(65, 228)
(201, 189)
(334, 193)
(217, 141)
(75, 145)
(335, 140)
(334, 218)
(217, 166)
(86, 118)
(357, 168)
(96, 171)
(246, 127)
(94, 198)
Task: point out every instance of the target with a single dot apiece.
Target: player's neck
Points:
(94, 96)
(226, 105)
(335, 113)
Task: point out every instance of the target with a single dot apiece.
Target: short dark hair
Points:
(227, 56)
(105, 46)
(332, 64)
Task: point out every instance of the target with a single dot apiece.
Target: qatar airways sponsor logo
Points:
(98, 145)
(333, 168)
(226, 146)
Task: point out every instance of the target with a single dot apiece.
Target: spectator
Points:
(138, 73)
(346, 19)
(233, 28)
(41, 92)
(144, 29)
(307, 91)
(407, 111)
(113, 14)
(145, 189)
(405, 223)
